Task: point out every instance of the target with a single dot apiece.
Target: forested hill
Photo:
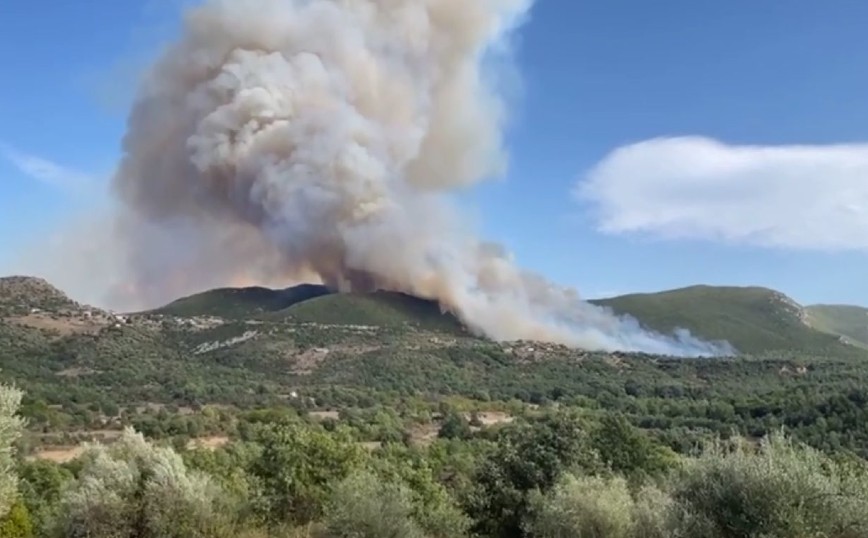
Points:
(752, 319)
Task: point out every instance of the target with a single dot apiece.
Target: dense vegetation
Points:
(555, 475)
(240, 302)
(379, 416)
(155, 375)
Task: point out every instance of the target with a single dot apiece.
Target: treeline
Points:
(555, 475)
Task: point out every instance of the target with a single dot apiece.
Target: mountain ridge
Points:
(239, 302)
(753, 319)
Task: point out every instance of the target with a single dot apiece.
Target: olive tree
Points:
(132, 488)
(10, 430)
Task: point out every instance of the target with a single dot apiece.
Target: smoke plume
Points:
(320, 139)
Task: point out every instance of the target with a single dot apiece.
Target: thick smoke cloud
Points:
(290, 139)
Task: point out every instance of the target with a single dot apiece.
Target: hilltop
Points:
(235, 303)
(23, 294)
(311, 303)
(752, 319)
(382, 309)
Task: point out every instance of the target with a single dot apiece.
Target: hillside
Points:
(850, 322)
(23, 294)
(310, 303)
(753, 319)
(240, 302)
(382, 309)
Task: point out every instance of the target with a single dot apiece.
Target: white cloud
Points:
(799, 197)
(44, 170)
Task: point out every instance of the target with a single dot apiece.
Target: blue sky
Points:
(788, 79)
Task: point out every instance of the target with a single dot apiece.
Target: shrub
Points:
(455, 426)
(777, 490)
(10, 430)
(596, 507)
(653, 513)
(362, 506)
(132, 488)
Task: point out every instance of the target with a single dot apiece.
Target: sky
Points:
(652, 145)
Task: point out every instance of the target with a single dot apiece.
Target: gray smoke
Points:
(295, 139)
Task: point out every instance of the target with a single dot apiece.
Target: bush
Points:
(10, 430)
(778, 490)
(653, 513)
(134, 489)
(362, 506)
(596, 507)
(455, 426)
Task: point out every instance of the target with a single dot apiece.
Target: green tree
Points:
(433, 508)
(454, 426)
(297, 467)
(41, 484)
(625, 449)
(227, 465)
(529, 457)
